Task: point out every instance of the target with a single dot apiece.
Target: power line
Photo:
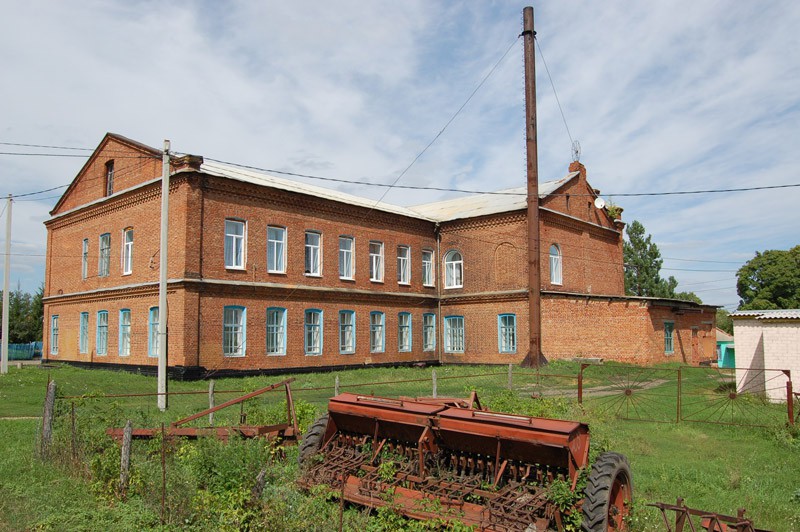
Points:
(698, 260)
(44, 146)
(44, 154)
(694, 270)
(564, 118)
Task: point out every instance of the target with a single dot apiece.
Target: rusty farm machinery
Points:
(450, 459)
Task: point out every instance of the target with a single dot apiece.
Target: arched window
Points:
(453, 270)
(555, 264)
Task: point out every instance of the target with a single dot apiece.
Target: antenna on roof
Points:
(576, 151)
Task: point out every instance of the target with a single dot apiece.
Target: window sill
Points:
(277, 272)
(276, 354)
(350, 279)
(236, 268)
(234, 356)
(125, 274)
(313, 274)
(429, 285)
(403, 284)
(431, 350)
(404, 350)
(380, 281)
(347, 352)
(453, 287)
(377, 352)
(556, 284)
(313, 354)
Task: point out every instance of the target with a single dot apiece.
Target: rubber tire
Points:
(312, 440)
(610, 480)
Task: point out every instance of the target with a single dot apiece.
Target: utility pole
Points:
(6, 276)
(162, 282)
(534, 356)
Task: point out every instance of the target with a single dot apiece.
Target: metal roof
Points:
(512, 199)
(780, 314)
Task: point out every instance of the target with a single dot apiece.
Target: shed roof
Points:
(780, 314)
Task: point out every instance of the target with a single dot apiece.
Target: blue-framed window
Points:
(234, 331)
(54, 334)
(102, 332)
(152, 332)
(85, 259)
(104, 257)
(124, 332)
(83, 334)
(428, 332)
(454, 334)
(347, 331)
(507, 333)
(669, 341)
(404, 331)
(377, 332)
(313, 331)
(276, 331)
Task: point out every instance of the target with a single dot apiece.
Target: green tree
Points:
(643, 268)
(724, 320)
(770, 280)
(25, 315)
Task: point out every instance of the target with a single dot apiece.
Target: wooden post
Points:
(510, 377)
(73, 433)
(47, 419)
(211, 401)
(125, 459)
(336, 386)
(790, 401)
(678, 418)
(435, 384)
(163, 474)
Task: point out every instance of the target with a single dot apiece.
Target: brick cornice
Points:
(491, 220)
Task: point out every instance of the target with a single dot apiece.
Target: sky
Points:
(662, 96)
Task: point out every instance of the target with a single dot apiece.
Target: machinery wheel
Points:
(609, 491)
(312, 440)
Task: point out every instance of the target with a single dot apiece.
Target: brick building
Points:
(270, 274)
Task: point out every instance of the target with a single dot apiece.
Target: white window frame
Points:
(236, 258)
(152, 332)
(376, 261)
(313, 332)
(313, 254)
(429, 332)
(101, 339)
(404, 338)
(234, 331)
(104, 256)
(83, 333)
(347, 332)
(403, 264)
(453, 269)
(276, 331)
(54, 334)
(428, 268)
(124, 346)
(377, 332)
(347, 255)
(276, 249)
(507, 333)
(454, 334)
(109, 177)
(85, 259)
(127, 251)
(556, 265)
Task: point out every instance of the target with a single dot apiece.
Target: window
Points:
(276, 331)
(124, 332)
(313, 330)
(104, 261)
(276, 249)
(376, 332)
(346, 263)
(555, 264)
(403, 264)
(454, 334)
(109, 178)
(233, 331)
(85, 259)
(428, 332)
(234, 244)
(507, 333)
(376, 261)
(152, 333)
(453, 270)
(313, 247)
(102, 332)
(669, 344)
(404, 331)
(54, 334)
(83, 335)
(127, 251)
(347, 331)
(427, 267)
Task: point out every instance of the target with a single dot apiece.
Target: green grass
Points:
(714, 467)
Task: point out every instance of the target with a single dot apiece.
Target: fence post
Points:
(211, 401)
(510, 377)
(678, 416)
(580, 383)
(125, 459)
(73, 433)
(435, 384)
(47, 419)
(790, 401)
(163, 473)
(336, 386)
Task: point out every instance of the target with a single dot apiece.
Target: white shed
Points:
(767, 351)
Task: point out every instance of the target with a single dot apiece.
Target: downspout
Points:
(439, 318)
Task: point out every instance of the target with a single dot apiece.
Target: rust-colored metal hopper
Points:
(445, 459)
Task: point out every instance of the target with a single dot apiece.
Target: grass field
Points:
(714, 467)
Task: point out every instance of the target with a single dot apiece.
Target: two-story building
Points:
(270, 274)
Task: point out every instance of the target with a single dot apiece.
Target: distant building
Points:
(270, 274)
(726, 351)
